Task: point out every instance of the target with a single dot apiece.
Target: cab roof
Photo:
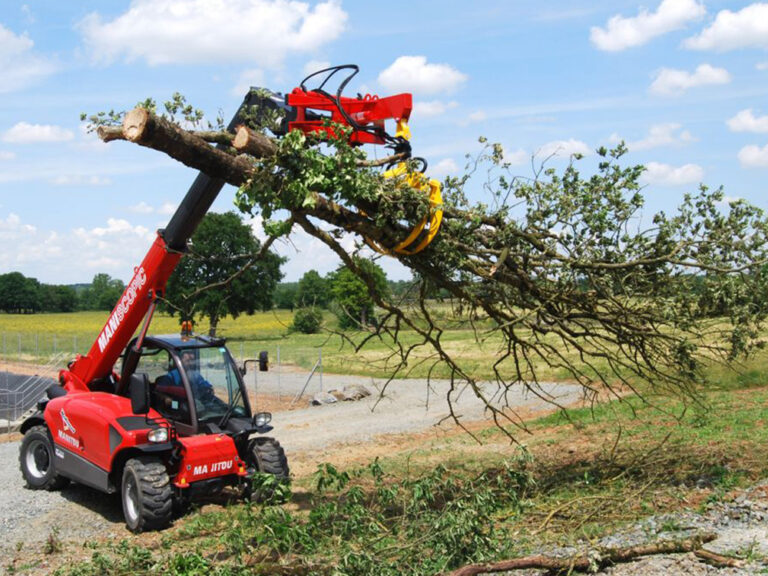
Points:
(179, 341)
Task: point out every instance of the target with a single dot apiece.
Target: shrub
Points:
(307, 320)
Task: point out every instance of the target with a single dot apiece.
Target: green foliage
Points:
(176, 110)
(221, 275)
(19, 294)
(298, 172)
(363, 522)
(307, 320)
(285, 295)
(352, 296)
(102, 294)
(312, 290)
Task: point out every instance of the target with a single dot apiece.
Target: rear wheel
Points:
(267, 457)
(146, 494)
(36, 459)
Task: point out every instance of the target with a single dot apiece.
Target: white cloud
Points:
(667, 175)
(621, 33)
(167, 209)
(141, 208)
(204, 31)
(315, 66)
(5, 155)
(249, 78)
(517, 157)
(747, 28)
(754, 156)
(73, 255)
(425, 108)
(659, 135)
(563, 149)
(24, 133)
(21, 66)
(414, 74)
(80, 180)
(761, 66)
(670, 82)
(445, 167)
(746, 121)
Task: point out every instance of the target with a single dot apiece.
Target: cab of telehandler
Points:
(195, 384)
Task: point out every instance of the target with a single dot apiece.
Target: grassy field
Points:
(434, 503)
(35, 337)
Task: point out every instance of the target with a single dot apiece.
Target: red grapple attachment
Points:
(365, 115)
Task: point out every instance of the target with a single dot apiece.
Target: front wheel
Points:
(36, 460)
(146, 494)
(267, 457)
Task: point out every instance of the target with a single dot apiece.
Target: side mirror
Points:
(139, 393)
(263, 361)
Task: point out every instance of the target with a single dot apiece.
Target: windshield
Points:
(213, 383)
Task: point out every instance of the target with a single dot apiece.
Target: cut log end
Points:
(110, 133)
(252, 142)
(135, 123)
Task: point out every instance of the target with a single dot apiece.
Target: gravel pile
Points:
(741, 527)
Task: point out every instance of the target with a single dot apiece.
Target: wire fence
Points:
(30, 362)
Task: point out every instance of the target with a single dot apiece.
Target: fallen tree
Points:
(558, 270)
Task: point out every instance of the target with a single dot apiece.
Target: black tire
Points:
(146, 494)
(37, 461)
(267, 457)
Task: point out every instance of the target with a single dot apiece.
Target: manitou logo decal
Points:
(62, 434)
(67, 424)
(122, 308)
(215, 467)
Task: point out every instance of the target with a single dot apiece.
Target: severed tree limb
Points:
(146, 129)
(252, 142)
(717, 560)
(111, 133)
(564, 285)
(599, 558)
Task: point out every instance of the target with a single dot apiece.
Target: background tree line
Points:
(22, 295)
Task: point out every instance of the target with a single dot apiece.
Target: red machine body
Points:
(148, 282)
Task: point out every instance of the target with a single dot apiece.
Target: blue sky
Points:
(684, 82)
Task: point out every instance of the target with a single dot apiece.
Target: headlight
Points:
(158, 435)
(262, 419)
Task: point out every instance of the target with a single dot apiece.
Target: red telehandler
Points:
(177, 419)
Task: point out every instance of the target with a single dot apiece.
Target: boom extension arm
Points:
(149, 279)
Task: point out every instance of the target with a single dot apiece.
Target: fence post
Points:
(320, 362)
(278, 373)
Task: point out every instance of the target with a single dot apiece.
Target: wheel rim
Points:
(38, 459)
(131, 500)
